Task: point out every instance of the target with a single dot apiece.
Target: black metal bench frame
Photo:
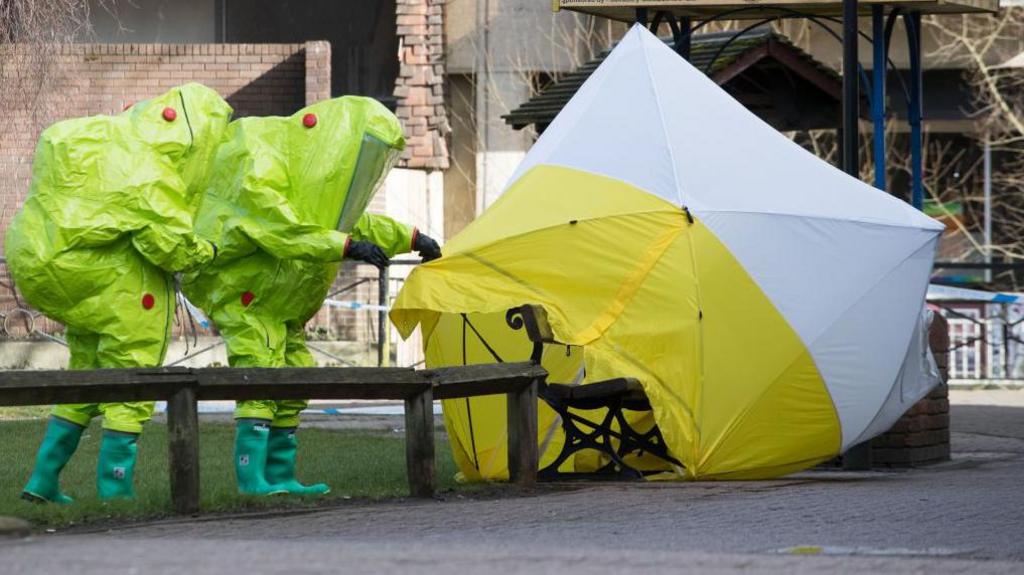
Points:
(614, 395)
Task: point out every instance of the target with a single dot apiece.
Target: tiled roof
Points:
(542, 108)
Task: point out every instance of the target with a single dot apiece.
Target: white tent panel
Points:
(728, 159)
(838, 260)
(612, 128)
(665, 127)
(860, 355)
(918, 376)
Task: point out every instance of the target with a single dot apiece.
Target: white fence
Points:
(986, 341)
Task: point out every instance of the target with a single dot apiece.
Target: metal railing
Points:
(986, 341)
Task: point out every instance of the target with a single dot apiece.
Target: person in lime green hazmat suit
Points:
(108, 219)
(285, 205)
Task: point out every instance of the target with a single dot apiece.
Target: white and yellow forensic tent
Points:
(765, 300)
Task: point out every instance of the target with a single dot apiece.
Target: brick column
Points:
(318, 71)
(921, 436)
(420, 84)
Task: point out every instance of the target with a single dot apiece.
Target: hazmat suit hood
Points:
(286, 197)
(343, 148)
(199, 118)
(113, 199)
(317, 168)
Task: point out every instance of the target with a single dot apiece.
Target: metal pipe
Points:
(382, 318)
(987, 187)
(1006, 341)
(685, 37)
(851, 90)
(912, 21)
(878, 92)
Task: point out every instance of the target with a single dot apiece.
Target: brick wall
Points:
(921, 436)
(420, 84)
(87, 79)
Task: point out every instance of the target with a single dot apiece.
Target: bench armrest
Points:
(535, 319)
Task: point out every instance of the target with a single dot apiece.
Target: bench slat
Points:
(310, 383)
(484, 379)
(59, 378)
(97, 392)
(308, 375)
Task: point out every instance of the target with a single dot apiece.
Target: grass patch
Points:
(23, 412)
(356, 464)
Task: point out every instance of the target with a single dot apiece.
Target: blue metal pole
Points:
(912, 21)
(878, 91)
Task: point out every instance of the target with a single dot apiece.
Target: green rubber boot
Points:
(281, 449)
(251, 438)
(59, 444)
(115, 472)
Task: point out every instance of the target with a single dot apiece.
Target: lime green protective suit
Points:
(108, 218)
(286, 196)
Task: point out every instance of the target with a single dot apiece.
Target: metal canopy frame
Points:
(625, 10)
(681, 18)
(854, 76)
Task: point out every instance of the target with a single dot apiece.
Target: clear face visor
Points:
(375, 161)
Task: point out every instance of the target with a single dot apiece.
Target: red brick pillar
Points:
(921, 436)
(419, 87)
(318, 71)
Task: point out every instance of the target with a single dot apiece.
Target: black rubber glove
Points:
(427, 247)
(366, 252)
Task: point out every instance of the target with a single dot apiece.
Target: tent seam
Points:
(700, 212)
(474, 255)
(668, 210)
(661, 117)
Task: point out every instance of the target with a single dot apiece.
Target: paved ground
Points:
(964, 516)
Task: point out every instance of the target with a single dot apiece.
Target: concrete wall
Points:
(515, 35)
(497, 48)
(417, 198)
(460, 179)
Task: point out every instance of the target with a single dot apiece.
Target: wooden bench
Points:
(182, 388)
(612, 435)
